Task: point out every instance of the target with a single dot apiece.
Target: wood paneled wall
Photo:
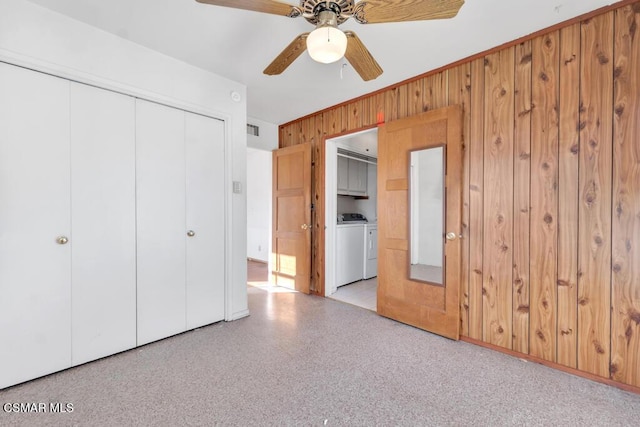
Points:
(551, 216)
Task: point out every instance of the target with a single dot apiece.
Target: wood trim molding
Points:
(572, 371)
(515, 42)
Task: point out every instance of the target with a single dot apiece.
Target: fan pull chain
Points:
(344, 64)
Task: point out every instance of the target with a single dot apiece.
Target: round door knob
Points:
(62, 240)
(305, 226)
(451, 235)
(191, 233)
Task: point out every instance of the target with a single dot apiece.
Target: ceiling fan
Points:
(327, 43)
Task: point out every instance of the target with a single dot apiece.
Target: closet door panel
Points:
(35, 300)
(103, 220)
(160, 177)
(205, 217)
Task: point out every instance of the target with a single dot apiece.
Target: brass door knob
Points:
(191, 233)
(62, 240)
(451, 235)
(305, 226)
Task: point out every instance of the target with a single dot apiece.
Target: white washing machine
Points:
(349, 261)
(370, 251)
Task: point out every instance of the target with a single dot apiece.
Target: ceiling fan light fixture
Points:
(326, 44)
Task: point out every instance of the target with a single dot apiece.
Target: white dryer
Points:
(370, 251)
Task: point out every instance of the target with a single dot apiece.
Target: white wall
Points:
(258, 204)
(268, 138)
(259, 179)
(34, 37)
(346, 204)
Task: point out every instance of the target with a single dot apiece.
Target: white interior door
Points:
(103, 220)
(205, 219)
(160, 177)
(35, 270)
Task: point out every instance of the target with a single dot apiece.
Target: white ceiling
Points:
(239, 44)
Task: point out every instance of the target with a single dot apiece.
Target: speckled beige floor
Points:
(300, 360)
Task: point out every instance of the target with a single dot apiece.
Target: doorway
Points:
(351, 218)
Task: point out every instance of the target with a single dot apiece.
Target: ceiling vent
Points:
(253, 130)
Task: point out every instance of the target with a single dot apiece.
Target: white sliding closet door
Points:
(103, 220)
(35, 270)
(205, 220)
(160, 177)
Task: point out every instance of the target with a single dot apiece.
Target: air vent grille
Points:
(354, 155)
(253, 130)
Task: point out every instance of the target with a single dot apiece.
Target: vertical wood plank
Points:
(521, 183)
(286, 135)
(306, 134)
(498, 203)
(625, 313)
(460, 94)
(298, 132)
(354, 115)
(332, 121)
(436, 91)
(544, 196)
(344, 118)
(415, 89)
(367, 118)
(318, 200)
(568, 161)
(594, 237)
(377, 106)
(309, 136)
(476, 197)
(391, 104)
(403, 101)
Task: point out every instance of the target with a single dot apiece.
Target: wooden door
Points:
(104, 223)
(35, 265)
(428, 306)
(205, 202)
(161, 244)
(291, 258)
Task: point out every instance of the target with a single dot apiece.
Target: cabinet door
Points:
(160, 180)
(35, 270)
(103, 219)
(205, 202)
(357, 177)
(343, 174)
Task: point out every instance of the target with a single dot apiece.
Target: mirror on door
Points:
(426, 213)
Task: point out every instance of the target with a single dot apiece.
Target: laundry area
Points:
(352, 188)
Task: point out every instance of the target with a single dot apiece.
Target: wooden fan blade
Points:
(265, 6)
(288, 55)
(376, 11)
(360, 58)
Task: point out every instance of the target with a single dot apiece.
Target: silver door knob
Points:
(305, 226)
(62, 240)
(451, 235)
(191, 233)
